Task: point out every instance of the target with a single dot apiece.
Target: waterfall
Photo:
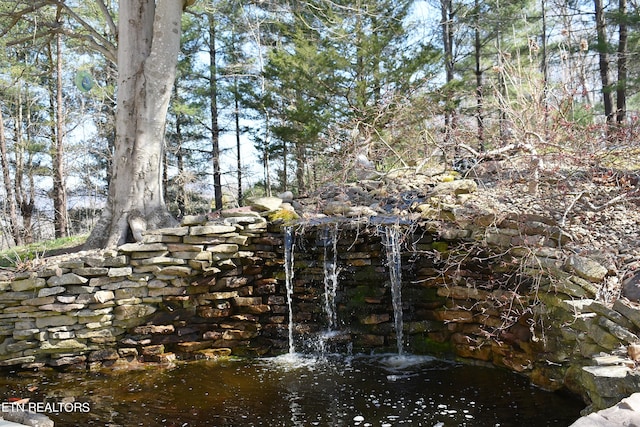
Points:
(391, 240)
(288, 271)
(330, 274)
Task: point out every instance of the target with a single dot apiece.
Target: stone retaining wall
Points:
(501, 292)
(200, 287)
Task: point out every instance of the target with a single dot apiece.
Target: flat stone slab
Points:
(266, 203)
(586, 268)
(625, 413)
(200, 230)
(24, 418)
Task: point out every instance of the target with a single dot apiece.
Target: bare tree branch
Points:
(107, 17)
(618, 199)
(108, 51)
(16, 16)
(96, 40)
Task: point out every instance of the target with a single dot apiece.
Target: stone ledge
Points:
(625, 413)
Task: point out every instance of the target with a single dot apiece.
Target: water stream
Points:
(391, 242)
(296, 389)
(288, 269)
(330, 275)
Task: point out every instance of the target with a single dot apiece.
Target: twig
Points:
(390, 148)
(611, 202)
(571, 205)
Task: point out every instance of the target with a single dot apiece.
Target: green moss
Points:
(422, 295)
(366, 275)
(425, 345)
(356, 304)
(283, 215)
(440, 246)
(357, 295)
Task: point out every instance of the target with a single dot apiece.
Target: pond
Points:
(295, 390)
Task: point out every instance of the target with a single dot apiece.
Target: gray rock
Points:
(26, 418)
(286, 196)
(361, 211)
(628, 309)
(266, 203)
(336, 208)
(120, 271)
(125, 312)
(631, 287)
(28, 284)
(244, 220)
(66, 279)
(225, 248)
(194, 220)
(142, 247)
(60, 320)
(243, 211)
(200, 230)
(606, 385)
(625, 413)
(586, 268)
(17, 361)
(461, 186)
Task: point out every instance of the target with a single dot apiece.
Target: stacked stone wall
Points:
(502, 292)
(201, 289)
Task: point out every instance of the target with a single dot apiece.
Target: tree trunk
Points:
(285, 166)
(301, 163)
(148, 45)
(607, 98)
(621, 87)
(504, 132)
(213, 99)
(478, 73)
(6, 178)
(545, 70)
(181, 186)
(266, 160)
(236, 114)
(24, 193)
(59, 187)
(447, 15)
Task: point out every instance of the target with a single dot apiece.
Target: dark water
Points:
(297, 391)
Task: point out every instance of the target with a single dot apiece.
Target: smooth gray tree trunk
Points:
(148, 46)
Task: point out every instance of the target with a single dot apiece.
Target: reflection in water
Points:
(295, 390)
(295, 409)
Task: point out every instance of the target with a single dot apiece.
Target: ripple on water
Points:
(302, 390)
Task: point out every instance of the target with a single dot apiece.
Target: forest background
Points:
(273, 96)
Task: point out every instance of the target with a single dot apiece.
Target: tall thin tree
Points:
(59, 186)
(621, 86)
(603, 56)
(213, 103)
